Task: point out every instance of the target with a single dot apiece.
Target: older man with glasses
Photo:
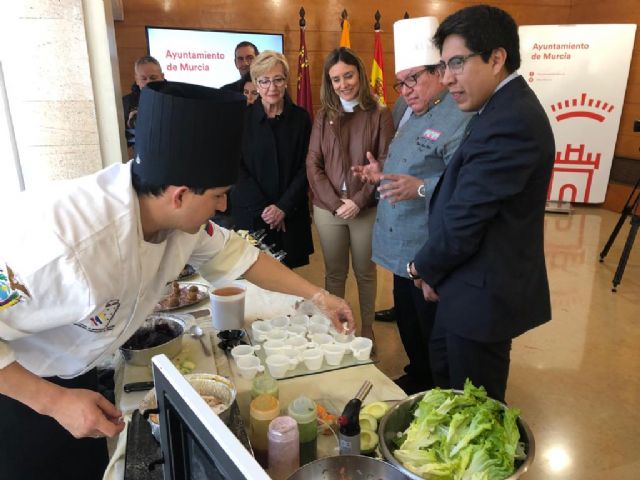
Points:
(429, 132)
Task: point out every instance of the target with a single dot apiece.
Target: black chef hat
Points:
(188, 135)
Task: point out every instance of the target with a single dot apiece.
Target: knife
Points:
(137, 387)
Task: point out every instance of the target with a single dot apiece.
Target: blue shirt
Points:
(421, 148)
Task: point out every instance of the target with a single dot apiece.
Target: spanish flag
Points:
(377, 71)
(344, 38)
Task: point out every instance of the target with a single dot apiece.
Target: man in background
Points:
(244, 54)
(484, 259)
(146, 69)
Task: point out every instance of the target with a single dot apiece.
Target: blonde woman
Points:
(271, 191)
(350, 124)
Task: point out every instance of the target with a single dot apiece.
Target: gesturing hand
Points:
(348, 209)
(399, 187)
(368, 173)
(86, 414)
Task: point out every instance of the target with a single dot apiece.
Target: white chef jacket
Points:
(77, 278)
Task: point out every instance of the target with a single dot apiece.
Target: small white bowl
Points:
(281, 322)
(273, 347)
(312, 358)
(333, 353)
(276, 334)
(361, 348)
(244, 351)
(300, 319)
(260, 328)
(248, 366)
(319, 320)
(296, 330)
(279, 365)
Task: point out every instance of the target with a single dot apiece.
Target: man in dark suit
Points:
(484, 260)
(243, 55)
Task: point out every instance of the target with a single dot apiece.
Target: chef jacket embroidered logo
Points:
(431, 134)
(101, 322)
(11, 290)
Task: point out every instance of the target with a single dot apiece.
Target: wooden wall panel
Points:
(323, 32)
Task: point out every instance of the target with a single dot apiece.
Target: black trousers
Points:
(36, 447)
(455, 358)
(415, 317)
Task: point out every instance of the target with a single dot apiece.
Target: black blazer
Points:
(485, 252)
(273, 171)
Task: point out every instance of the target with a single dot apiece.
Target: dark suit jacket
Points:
(273, 171)
(485, 253)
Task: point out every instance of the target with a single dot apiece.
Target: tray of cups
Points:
(296, 345)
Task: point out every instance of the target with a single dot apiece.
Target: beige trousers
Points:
(338, 237)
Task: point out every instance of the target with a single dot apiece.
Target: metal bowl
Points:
(172, 327)
(398, 418)
(353, 467)
(203, 383)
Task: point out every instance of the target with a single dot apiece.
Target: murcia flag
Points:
(304, 79)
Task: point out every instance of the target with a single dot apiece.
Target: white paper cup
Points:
(244, 351)
(333, 353)
(343, 338)
(312, 358)
(276, 334)
(319, 320)
(227, 306)
(321, 338)
(315, 328)
(281, 322)
(260, 329)
(297, 343)
(296, 330)
(361, 348)
(300, 319)
(273, 347)
(294, 357)
(248, 366)
(278, 365)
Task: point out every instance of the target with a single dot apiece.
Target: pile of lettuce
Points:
(464, 436)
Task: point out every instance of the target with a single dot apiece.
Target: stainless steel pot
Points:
(353, 467)
(172, 326)
(398, 418)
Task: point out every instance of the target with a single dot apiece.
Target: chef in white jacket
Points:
(85, 261)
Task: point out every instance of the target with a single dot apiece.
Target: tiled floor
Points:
(577, 378)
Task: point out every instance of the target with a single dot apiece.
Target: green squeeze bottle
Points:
(303, 411)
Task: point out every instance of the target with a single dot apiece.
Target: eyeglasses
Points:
(455, 64)
(266, 82)
(409, 82)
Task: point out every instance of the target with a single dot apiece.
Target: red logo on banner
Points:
(574, 161)
(582, 107)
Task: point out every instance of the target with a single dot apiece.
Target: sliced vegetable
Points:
(368, 422)
(326, 421)
(375, 409)
(368, 441)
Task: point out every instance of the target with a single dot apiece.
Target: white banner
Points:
(579, 73)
